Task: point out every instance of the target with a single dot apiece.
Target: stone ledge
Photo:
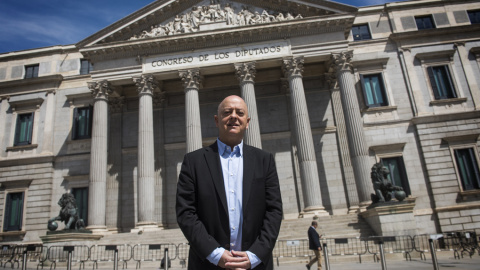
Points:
(13, 234)
(69, 237)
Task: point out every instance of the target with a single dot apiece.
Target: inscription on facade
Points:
(217, 57)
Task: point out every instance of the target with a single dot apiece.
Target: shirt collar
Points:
(222, 148)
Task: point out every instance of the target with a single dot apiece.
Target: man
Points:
(314, 244)
(229, 205)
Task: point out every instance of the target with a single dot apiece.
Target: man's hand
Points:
(240, 262)
(234, 260)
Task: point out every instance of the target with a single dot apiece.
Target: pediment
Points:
(164, 19)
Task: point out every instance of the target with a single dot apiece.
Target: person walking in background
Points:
(314, 244)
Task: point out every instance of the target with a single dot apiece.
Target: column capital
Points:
(116, 104)
(332, 80)
(293, 66)
(343, 61)
(191, 78)
(245, 72)
(51, 91)
(146, 84)
(101, 89)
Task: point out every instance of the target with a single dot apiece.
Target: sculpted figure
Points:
(195, 17)
(266, 18)
(68, 213)
(382, 186)
(230, 15)
(280, 17)
(205, 15)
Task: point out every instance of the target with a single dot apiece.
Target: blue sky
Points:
(27, 24)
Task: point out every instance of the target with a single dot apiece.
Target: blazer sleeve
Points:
(313, 234)
(186, 208)
(272, 219)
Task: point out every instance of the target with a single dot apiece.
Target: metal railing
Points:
(153, 252)
(66, 254)
(108, 253)
(461, 243)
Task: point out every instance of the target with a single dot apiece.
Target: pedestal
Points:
(70, 236)
(392, 218)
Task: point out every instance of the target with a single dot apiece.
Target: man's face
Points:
(232, 119)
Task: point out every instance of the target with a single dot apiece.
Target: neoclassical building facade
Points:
(331, 90)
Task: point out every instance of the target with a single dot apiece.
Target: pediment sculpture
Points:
(214, 13)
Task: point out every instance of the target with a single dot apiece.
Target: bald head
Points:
(232, 120)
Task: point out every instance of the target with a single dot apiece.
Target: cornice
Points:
(445, 117)
(220, 37)
(55, 80)
(436, 32)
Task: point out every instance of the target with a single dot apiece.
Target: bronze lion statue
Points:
(382, 186)
(69, 213)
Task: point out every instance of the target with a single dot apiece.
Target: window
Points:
(81, 197)
(467, 167)
(398, 175)
(13, 212)
(31, 71)
(24, 129)
(474, 16)
(82, 123)
(441, 82)
(85, 67)
(424, 22)
(361, 32)
(374, 90)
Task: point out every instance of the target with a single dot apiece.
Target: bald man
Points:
(229, 205)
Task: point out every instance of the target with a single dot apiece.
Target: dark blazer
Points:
(313, 239)
(202, 205)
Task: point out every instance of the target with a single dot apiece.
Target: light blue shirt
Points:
(232, 170)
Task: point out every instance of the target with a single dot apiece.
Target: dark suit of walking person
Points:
(314, 244)
(228, 201)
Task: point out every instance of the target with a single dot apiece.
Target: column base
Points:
(354, 209)
(145, 227)
(313, 211)
(99, 229)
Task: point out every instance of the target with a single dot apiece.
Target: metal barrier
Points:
(152, 253)
(346, 246)
(107, 253)
(391, 244)
(6, 254)
(182, 253)
(25, 254)
(57, 254)
(291, 248)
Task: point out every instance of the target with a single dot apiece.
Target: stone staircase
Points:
(346, 226)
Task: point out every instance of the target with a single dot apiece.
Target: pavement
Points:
(463, 264)
(444, 262)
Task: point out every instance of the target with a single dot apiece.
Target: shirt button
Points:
(233, 209)
(232, 244)
(233, 228)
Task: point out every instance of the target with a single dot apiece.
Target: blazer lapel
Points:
(249, 161)
(213, 163)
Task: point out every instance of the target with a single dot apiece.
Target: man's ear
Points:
(216, 120)
(248, 121)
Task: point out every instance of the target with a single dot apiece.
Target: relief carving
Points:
(213, 13)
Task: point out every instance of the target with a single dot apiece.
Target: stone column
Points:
(354, 123)
(98, 157)
(47, 146)
(146, 85)
(114, 179)
(346, 165)
(3, 114)
(192, 80)
(246, 75)
(312, 196)
(469, 74)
